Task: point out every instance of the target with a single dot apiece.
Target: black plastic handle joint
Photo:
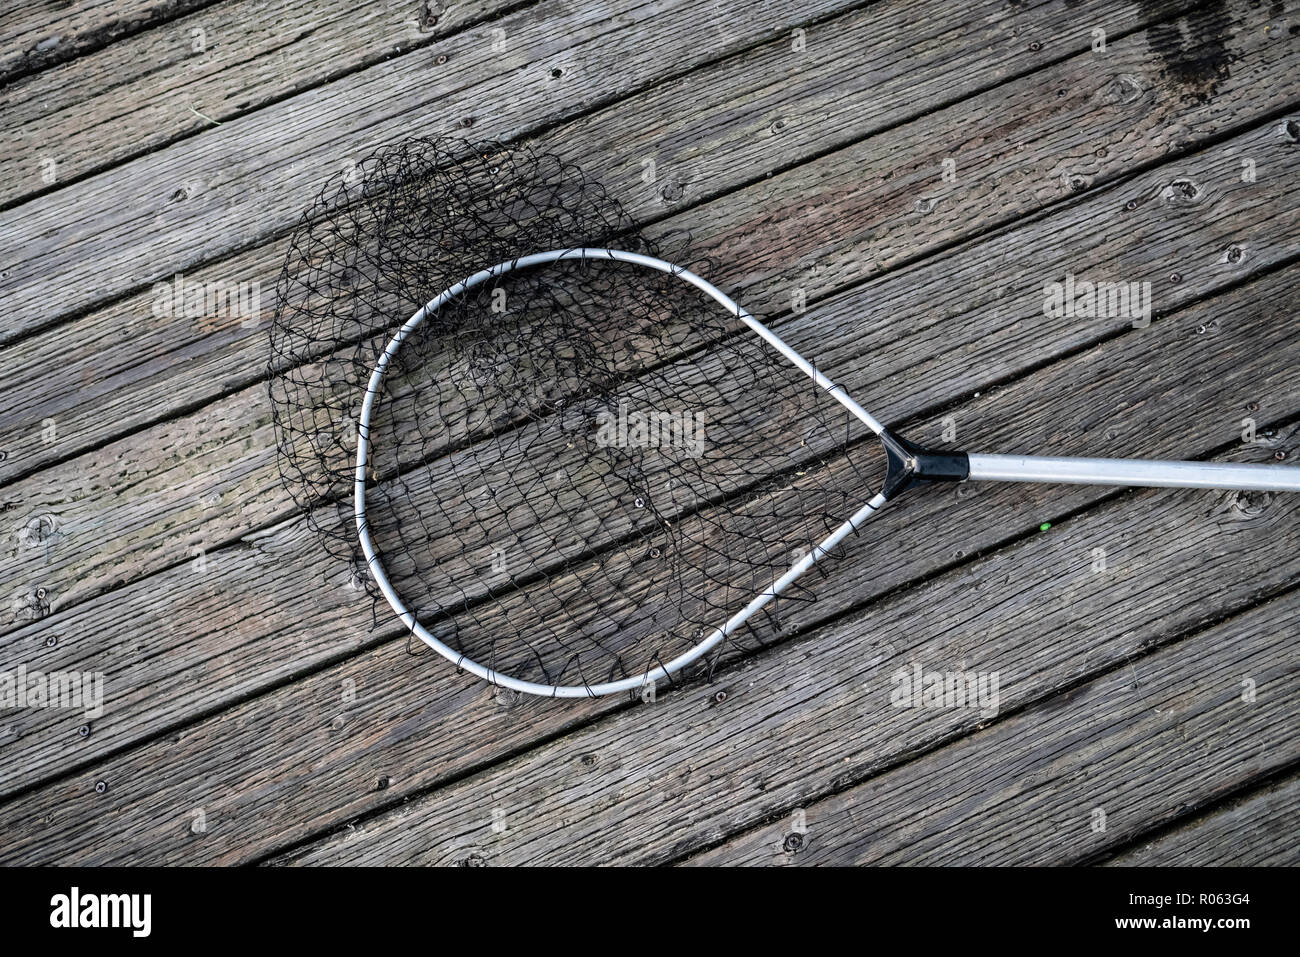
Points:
(909, 464)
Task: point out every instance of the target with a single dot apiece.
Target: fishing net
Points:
(576, 471)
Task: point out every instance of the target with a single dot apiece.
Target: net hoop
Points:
(660, 672)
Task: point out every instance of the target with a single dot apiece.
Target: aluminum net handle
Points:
(718, 634)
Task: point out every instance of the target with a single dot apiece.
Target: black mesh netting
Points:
(577, 471)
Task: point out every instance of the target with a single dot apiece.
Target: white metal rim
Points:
(709, 642)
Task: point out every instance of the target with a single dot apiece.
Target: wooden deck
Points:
(1145, 640)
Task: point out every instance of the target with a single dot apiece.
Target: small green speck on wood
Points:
(1045, 526)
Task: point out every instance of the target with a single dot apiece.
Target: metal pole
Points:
(1081, 471)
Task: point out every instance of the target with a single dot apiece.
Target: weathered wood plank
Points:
(47, 32)
(248, 179)
(120, 368)
(75, 540)
(167, 83)
(195, 522)
(202, 664)
(818, 715)
(1074, 775)
(260, 588)
(366, 720)
(1258, 830)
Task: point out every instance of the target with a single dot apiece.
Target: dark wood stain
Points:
(1195, 50)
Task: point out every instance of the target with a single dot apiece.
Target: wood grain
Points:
(1256, 830)
(817, 716)
(47, 32)
(186, 75)
(1074, 775)
(251, 177)
(414, 723)
(915, 173)
(122, 368)
(248, 179)
(901, 343)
